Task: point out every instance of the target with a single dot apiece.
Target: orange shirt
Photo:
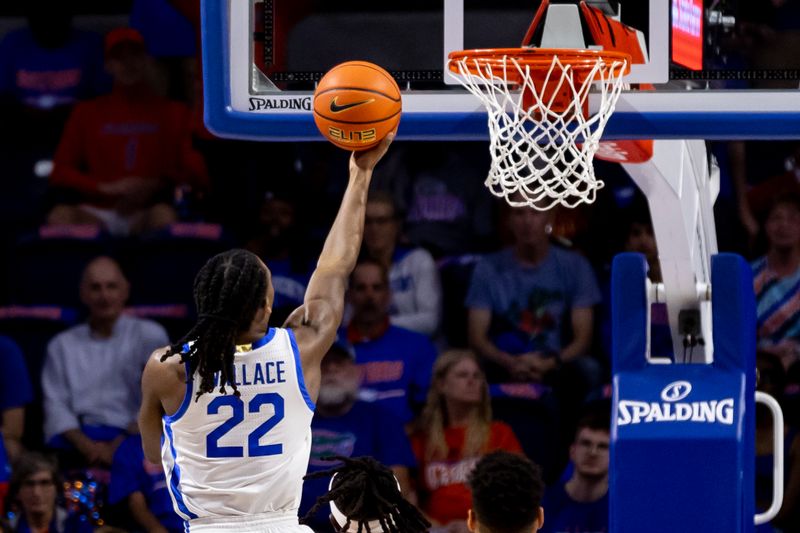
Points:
(443, 483)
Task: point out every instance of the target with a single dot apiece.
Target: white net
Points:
(542, 156)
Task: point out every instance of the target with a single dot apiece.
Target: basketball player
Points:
(365, 496)
(235, 420)
(507, 493)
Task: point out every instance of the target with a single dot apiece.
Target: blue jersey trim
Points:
(175, 478)
(187, 398)
(301, 382)
(263, 341)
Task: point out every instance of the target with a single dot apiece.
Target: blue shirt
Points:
(396, 369)
(15, 389)
(366, 430)
(530, 303)
(565, 515)
(290, 285)
(45, 78)
(131, 472)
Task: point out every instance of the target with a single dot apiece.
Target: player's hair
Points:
(366, 491)
(228, 291)
(506, 492)
(435, 418)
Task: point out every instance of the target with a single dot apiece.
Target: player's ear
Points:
(539, 519)
(472, 524)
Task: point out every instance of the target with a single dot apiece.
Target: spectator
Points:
(413, 278)
(344, 426)
(395, 363)
(15, 393)
(34, 490)
(47, 67)
(520, 298)
(777, 282)
(506, 494)
(581, 504)
(122, 154)
(92, 371)
(771, 378)
(439, 187)
(143, 487)
(280, 245)
(455, 430)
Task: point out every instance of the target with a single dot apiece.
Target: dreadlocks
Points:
(366, 491)
(506, 492)
(228, 291)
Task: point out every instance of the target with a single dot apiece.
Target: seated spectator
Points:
(45, 68)
(439, 187)
(279, 244)
(581, 504)
(506, 494)
(519, 299)
(92, 372)
(345, 426)
(777, 282)
(771, 378)
(15, 393)
(455, 430)
(122, 154)
(35, 486)
(395, 363)
(143, 487)
(413, 277)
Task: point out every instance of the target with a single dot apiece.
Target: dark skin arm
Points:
(316, 321)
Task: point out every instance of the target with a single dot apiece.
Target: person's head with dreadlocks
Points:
(233, 294)
(365, 497)
(507, 492)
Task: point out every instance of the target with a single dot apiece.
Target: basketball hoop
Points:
(543, 139)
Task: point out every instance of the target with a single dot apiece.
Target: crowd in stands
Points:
(470, 326)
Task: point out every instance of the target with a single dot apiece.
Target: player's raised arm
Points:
(316, 321)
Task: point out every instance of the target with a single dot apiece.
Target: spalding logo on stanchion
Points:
(671, 409)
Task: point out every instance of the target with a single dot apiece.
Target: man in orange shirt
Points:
(123, 153)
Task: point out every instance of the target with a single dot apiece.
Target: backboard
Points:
(714, 70)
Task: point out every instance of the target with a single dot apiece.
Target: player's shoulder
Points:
(162, 370)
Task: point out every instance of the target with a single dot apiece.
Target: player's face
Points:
(104, 290)
(589, 453)
(380, 227)
(369, 293)
(464, 382)
(38, 492)
(528, 226)
(783, 226)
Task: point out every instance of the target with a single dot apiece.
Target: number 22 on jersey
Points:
(237, 406)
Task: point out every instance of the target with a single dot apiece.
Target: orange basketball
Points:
(357, 104)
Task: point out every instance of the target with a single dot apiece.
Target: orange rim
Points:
(539, 59)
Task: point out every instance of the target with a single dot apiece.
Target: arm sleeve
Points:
(58, 415)
(479, 294)
(427, 297)
(15, 383)
(70, 157)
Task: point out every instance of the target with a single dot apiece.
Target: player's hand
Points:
(367, 159)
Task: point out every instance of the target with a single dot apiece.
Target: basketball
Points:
(356, 104)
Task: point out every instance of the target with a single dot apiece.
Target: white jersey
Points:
(227, 457)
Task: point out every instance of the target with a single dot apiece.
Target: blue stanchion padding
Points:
(682, 441)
